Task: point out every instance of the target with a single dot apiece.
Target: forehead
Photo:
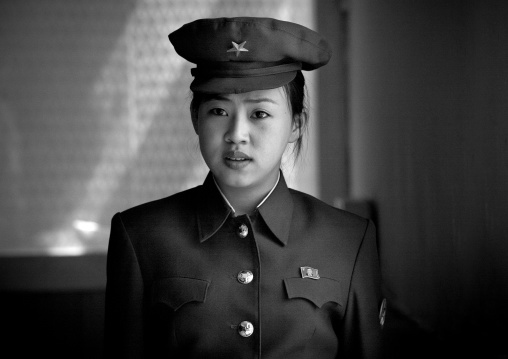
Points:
(275, 96)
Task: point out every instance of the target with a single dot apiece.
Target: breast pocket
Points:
(318, 292)
(178, 291)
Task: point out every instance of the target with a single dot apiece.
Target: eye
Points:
(260, 114)
(218, 112)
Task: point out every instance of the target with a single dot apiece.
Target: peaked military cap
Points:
(235, 55)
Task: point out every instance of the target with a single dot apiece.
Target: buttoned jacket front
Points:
(174, 286)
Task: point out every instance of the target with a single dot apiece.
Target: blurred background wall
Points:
(94, 119)
(94, 111)
(410, 128)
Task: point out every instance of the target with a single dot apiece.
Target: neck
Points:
(245, 200)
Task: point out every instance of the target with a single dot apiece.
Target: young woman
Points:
(243, 266)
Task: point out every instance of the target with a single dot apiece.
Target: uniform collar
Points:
(213, 211)
(260, 203)
(277, 211)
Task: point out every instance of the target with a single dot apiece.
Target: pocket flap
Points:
(177, 291)
(318, 291)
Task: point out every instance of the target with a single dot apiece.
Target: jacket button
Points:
(245, 277)
(245, 329)
(243, 231)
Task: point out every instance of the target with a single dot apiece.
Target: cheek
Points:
(209, 135)
(285, 132)
(275, 141)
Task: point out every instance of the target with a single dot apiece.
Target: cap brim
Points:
(226, 85)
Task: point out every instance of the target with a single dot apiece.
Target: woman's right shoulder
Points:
(178, 204)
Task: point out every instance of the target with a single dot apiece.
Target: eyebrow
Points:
(249, 100)
(262, 99)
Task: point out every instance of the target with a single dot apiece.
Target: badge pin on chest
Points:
(309, 272)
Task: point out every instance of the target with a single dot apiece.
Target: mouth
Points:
(236, 159)
(236, 156)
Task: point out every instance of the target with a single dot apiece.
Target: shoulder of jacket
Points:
(326, 221)
(338, 231)
(307, 203)
(177, 203)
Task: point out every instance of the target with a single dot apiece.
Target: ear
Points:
(296, 131)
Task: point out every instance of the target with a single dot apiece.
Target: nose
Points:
(238, 129)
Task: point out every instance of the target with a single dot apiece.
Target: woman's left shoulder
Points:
(317, 210)
(306, 202)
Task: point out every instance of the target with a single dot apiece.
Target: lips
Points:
(236, 160)
(236, 156)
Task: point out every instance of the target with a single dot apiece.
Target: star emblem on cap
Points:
(237, 48)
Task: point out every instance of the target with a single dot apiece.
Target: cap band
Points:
(243, 72)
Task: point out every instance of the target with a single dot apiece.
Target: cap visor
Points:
(225, 85)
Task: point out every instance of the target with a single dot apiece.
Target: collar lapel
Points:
(277, 211)
(212, 211)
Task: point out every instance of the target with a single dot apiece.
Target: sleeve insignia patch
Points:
(382, 313)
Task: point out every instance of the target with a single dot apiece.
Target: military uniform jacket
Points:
(188, 279)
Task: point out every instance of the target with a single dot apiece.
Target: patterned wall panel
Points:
(94, 113)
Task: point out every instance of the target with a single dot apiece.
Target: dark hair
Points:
(295, 93)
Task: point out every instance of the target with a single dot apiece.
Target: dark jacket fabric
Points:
(173, 289)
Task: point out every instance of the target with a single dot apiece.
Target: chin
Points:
(233, 182)
(235, 179)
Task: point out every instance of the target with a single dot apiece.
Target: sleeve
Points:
(124, 297)
(361, 330)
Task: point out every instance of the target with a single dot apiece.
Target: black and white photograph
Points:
(270, 179)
